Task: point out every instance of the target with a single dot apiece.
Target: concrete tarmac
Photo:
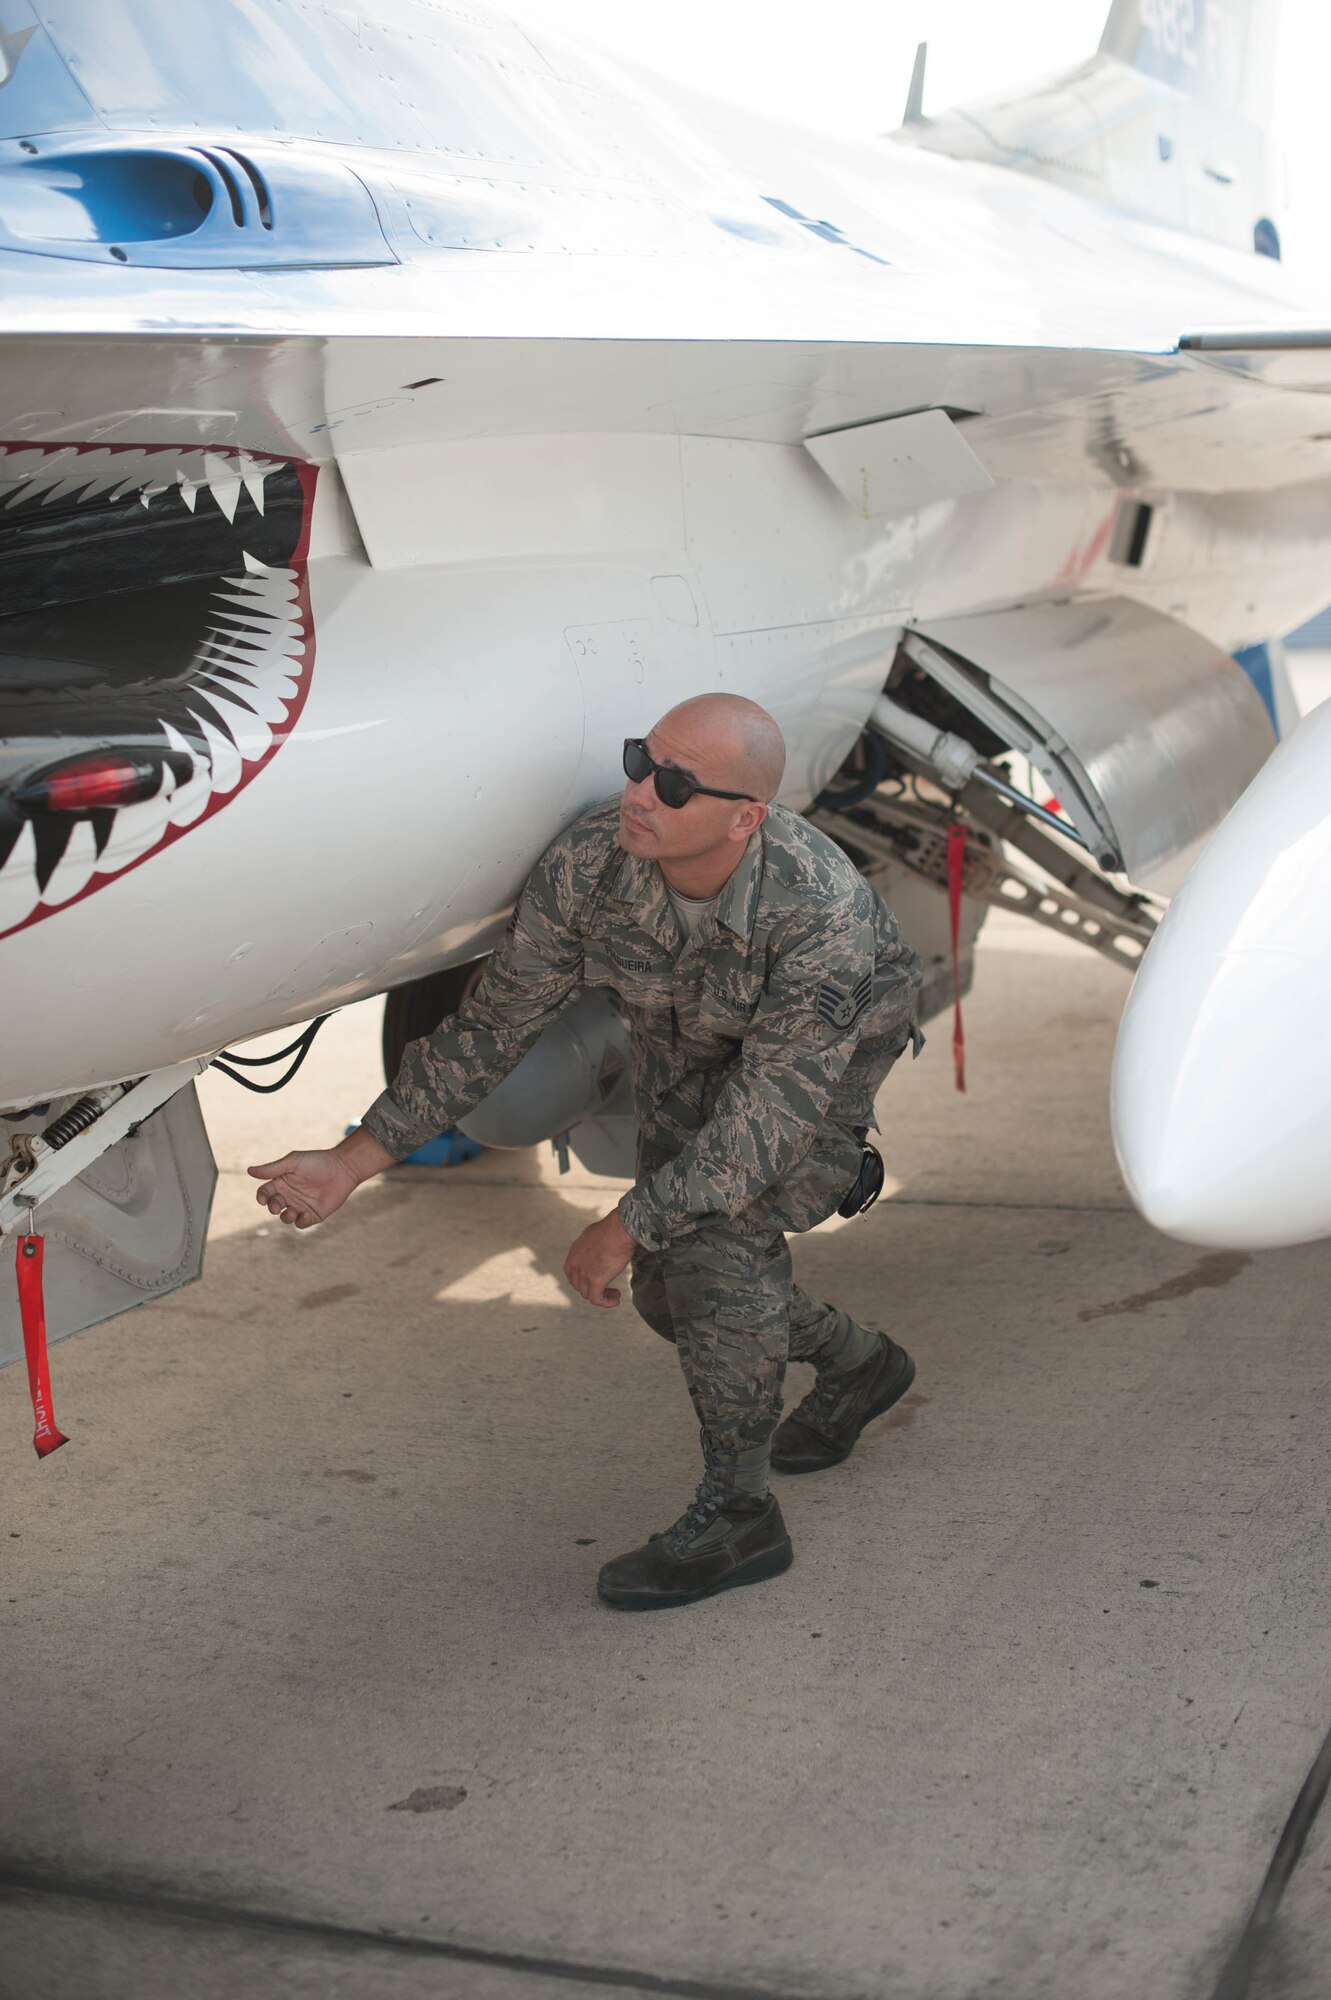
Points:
(307, 1690)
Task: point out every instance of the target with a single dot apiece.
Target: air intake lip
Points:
(184, 206)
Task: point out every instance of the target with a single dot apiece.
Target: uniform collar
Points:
(641, 884)
(739, 899)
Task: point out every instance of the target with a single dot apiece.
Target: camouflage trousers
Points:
(726, 1296)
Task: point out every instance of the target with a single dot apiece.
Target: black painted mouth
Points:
(155, 648)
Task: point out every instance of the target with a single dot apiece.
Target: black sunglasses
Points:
(673, 786)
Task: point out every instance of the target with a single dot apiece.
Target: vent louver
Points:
(184, 206)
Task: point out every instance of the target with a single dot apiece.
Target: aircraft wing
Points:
(1201, 418)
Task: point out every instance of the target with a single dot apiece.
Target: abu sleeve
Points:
(531, 978)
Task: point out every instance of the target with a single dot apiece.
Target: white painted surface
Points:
(501, 498)
(1222, 1089)
(899, 465)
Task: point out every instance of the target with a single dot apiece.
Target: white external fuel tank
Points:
(1222, 1075)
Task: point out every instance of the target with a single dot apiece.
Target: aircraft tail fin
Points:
(1168, 121)
(1221, 52)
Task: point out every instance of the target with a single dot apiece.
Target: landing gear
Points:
(118, 1181)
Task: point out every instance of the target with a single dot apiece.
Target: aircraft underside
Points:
(361, 491)
(428, 655)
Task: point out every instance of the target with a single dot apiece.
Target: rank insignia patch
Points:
(843, 1010)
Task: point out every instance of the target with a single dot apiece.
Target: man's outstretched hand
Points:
(306, 1188)
(597, 1257)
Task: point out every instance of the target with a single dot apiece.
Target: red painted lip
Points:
(251, 667)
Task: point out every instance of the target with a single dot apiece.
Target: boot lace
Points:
(701, 1511)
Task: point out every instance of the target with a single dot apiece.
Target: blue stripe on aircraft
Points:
(829, 231)
(1256, 664)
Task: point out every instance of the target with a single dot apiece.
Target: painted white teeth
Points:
(252, 734)
(33, 471)
(252, 476)
(223, 483)
(225, 758)
(86, 475)
(267, 691)
(18, 880)
(74, 867)
(190, 798)
(136, 829)
(259, 636)
(31, 474)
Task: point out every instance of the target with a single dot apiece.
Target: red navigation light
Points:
(109, 778)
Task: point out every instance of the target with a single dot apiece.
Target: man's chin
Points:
(635, 838)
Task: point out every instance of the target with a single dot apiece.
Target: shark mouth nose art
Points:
(156, 646)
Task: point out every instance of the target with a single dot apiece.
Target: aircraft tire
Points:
(417, 1008)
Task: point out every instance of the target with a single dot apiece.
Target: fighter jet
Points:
(398, 411)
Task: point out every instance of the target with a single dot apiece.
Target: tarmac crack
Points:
(1236, 1977)
(18, 1878)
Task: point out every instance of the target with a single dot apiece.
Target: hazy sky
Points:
(844, 65)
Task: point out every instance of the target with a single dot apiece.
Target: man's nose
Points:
(641, 793)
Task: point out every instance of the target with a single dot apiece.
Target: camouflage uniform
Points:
(757, 1048)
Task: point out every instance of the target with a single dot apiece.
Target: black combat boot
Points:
(722, 1540)
(823, 1428)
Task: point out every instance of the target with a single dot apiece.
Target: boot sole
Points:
(758, 1568)
(880, 1408)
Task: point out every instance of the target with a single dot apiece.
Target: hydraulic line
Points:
(300, 1048)
(875, 750)
(956, 762)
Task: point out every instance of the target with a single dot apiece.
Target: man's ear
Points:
(748, 819)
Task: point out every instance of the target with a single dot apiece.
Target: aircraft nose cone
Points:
(1222, 1074)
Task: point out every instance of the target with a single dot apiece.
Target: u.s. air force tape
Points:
(843, 1010)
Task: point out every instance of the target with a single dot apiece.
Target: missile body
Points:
(1222, 1074)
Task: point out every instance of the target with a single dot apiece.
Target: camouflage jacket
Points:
(781, 1012)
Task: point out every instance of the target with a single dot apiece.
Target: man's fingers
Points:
(588, 1285)
(596, 1294)
(286, 1206)
(273, 1168)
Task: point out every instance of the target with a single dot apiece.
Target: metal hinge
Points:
(40, 1164)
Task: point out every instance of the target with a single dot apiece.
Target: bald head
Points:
(734, 752)
(739, 742)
